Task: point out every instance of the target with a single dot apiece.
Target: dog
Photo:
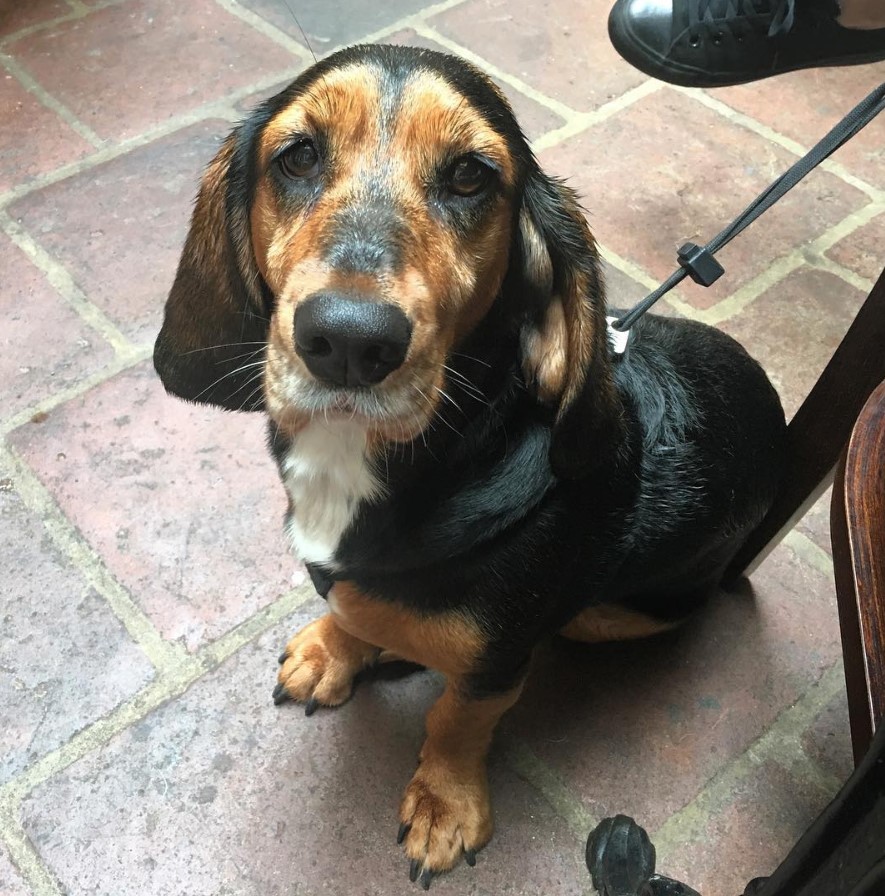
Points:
(377, 262)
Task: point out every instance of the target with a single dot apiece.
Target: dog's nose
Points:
(345, 341)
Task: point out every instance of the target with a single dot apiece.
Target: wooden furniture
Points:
(857, 529)
(817, 438)
(843, 852)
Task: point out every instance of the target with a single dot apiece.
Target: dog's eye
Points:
(300, 160)
(468, 176)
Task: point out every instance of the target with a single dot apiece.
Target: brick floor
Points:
(151, 589)
(32, 367)
(859, 251)
(34, 140)
(11, 883)
(175, 57)
(142, 198)
(71, 657)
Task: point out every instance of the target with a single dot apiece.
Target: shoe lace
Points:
(778, 14)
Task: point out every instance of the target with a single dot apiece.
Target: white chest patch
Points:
(327, 475)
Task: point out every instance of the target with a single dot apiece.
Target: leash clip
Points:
(700, 263)
(617, 339)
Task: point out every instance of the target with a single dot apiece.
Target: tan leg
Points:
(320, 664)
(867, 14)
(445, 811)
(609, 622)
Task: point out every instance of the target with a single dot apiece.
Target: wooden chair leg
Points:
(818, 434)
(859, 715)
(857, 529)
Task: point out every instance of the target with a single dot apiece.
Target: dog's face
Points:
(356, 230)
(381, 223)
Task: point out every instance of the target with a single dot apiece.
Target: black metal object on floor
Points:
(841, 854)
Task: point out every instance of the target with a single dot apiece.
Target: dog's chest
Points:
(327, 475)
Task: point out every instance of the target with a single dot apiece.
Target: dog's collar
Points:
(618, 340)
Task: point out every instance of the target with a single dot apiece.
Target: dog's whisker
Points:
(463, 380)
(256, 391)
(438, 415)
(209, 348)
(468, 387)
(235, 372)
(471, 358)
(451, 400)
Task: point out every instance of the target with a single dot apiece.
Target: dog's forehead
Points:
(404, 109)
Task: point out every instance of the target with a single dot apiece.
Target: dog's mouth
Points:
(397, 411)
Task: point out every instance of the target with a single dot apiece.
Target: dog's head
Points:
(354, 232)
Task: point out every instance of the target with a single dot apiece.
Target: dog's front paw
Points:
(319, 665)
(445, 813)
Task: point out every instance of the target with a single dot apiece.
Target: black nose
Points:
(345, 341)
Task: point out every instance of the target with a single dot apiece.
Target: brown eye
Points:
(469, 176)
(300, 160)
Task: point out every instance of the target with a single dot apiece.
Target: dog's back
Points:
(710, 432)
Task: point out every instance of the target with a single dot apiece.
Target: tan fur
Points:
(348, 97)
(322, 661)
(446, 804)
(448, 642)
(609, 622)
(557, 349)
(445, 286)
(545, 354)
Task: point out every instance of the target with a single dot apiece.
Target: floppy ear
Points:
(214, 331)
(565, 352)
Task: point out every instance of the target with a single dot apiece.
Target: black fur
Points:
(475, 520)
(519, 514)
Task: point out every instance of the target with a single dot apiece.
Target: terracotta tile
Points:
(249, 103)
(33, 139)
(334, 23)
(44, 346)
(15, 15)
(119, 228)
(181, 502)
(220, 792)
(793, 329)
(560, 49)
(805, 105)
(130, 66)
(651, 185)
(533, 118)
(623, 292)
(640, 728)
(11, 883)
(861, 251)
(750, 836)
(828, 739)
(65, 660)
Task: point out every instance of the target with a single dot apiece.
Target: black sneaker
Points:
(714, 43)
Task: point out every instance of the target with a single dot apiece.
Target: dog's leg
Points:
(609, 622)
(320, 664)
(445, 811)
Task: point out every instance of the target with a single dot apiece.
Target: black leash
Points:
(699, 263)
